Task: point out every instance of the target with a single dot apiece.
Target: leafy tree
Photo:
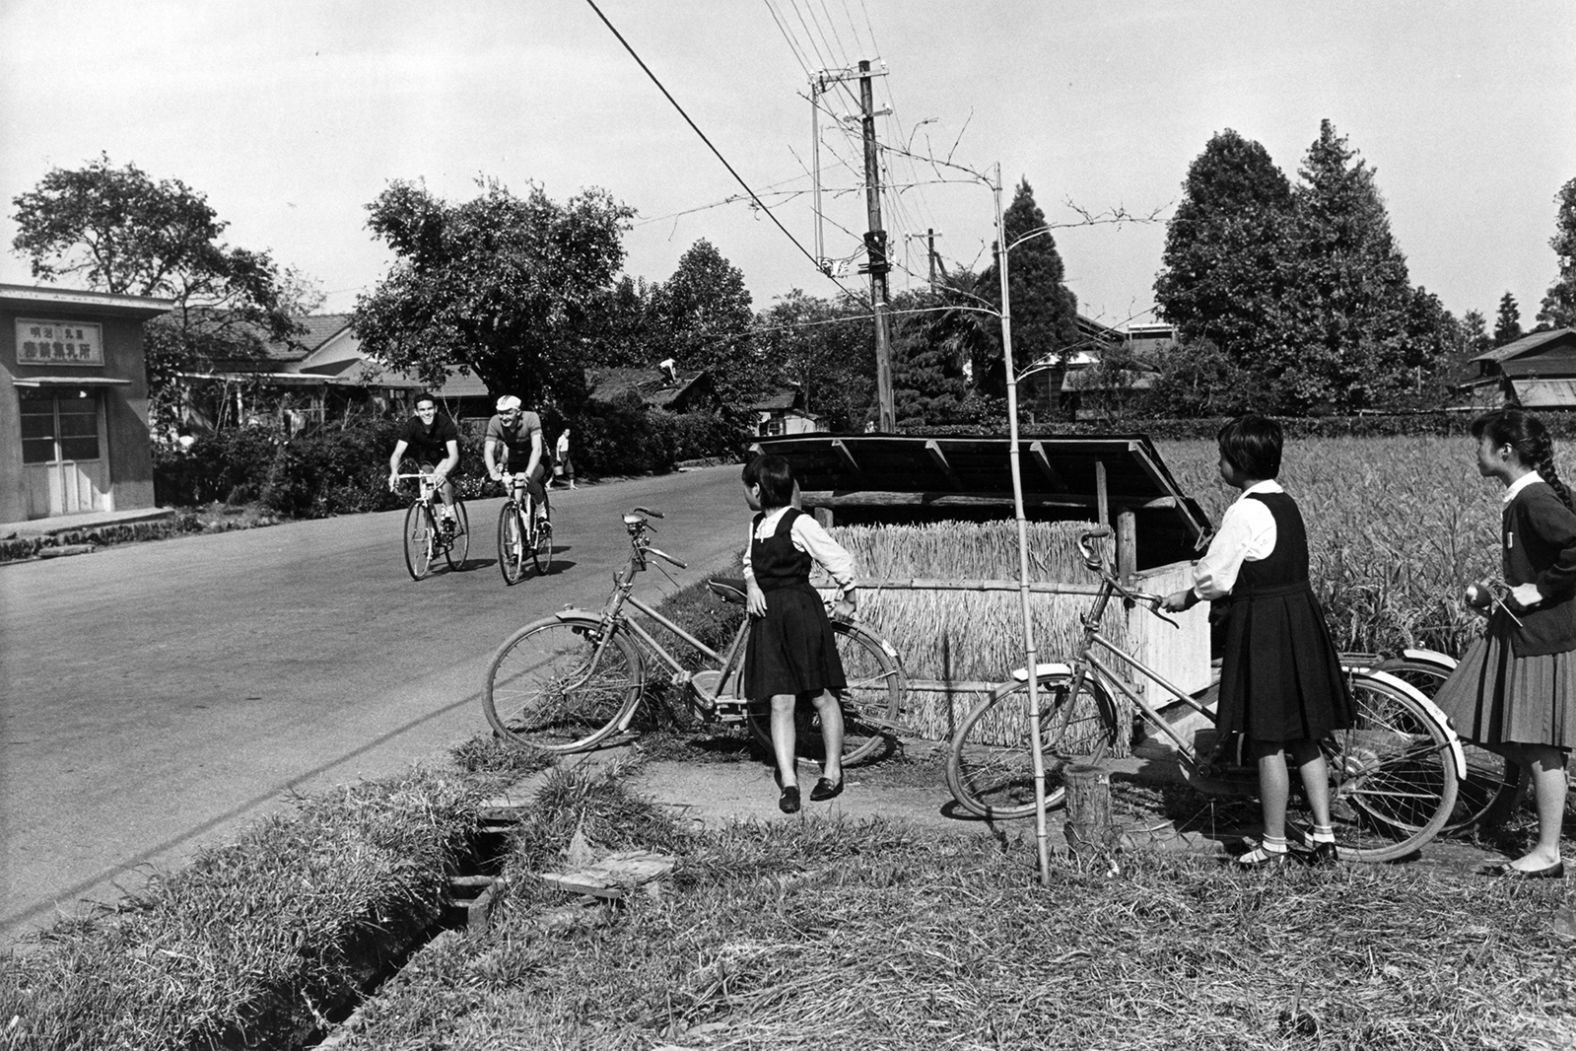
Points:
(1474, 333)
(620, 326)
(499, 285)
(701, 317)
(1349, 338)
(1507, 325)
(1044, 311)
(826, 349)
(1197, 378)
(1559, 306)
(1229, 249)
(118, 230)
(931, 361)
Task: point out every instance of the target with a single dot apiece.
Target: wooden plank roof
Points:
(890, 477)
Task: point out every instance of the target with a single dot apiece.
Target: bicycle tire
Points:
(511, 543)
(543, 691)
(459, 545)
(1392, 773)
(542, 546)
(990, 771)
(418, 537)
(1492, 781)
(870, 702)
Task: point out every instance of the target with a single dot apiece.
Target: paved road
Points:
(158, 697)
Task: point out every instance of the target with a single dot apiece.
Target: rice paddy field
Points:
(1397, 527)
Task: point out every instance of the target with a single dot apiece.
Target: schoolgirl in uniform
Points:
(792, 655)
(1280, 685)
(1515, 690)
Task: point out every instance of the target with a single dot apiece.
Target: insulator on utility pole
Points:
(875, 241)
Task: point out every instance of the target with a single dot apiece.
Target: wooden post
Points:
(1126, 545)
(1090, 828)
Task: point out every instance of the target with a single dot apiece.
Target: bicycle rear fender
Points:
(1433, 709)
(1043, 671)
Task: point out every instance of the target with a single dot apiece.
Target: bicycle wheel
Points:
(418, 540)
(1492, 781)
(1392, 773)
(511, 543)
(460, 543)
(870, 703)
(553, 686)
(990, 770)
(542, 547)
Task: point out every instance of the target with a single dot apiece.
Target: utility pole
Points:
(929, 237)
(877, 265)
(876, 254)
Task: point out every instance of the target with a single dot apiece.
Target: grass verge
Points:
(876, 936)
(254, 944)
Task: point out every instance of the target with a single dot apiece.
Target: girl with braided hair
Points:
(1515, 690)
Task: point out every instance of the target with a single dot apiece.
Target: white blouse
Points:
(1247, 534)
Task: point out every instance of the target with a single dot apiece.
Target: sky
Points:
(291, 116)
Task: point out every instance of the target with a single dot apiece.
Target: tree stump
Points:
(1090, 827)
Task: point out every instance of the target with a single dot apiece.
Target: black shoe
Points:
(1320, 855)
(788, 802)
(825, 790)
(1554, 871)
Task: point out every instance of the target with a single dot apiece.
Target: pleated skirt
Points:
(792, 648)
(1496, 697)
(1280, 675)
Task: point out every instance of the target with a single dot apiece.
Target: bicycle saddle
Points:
(730, 588)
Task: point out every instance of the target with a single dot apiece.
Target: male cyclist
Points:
(514, 437)
(433, 442)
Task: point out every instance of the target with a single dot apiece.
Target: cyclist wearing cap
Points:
(514, 437)
(433, 442)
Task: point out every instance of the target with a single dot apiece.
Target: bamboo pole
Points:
(1037, 760)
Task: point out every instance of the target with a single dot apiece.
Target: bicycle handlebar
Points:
(1485, 596)
(648, 512)
(1095, 563)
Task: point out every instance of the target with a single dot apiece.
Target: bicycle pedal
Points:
(730, 709)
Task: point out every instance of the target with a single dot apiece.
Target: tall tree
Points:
(1044, 311)
(1228, 250)
(1507, 323)
(701, 317)
(1352, 313)
(932, 347)
(499, 285)
(1559, 306)
(116, 229)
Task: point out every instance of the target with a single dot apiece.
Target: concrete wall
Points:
(128, 441)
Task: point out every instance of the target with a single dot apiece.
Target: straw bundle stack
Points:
(946, 595)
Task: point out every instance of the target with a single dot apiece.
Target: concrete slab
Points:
(89, 520)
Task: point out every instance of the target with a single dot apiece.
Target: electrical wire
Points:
(716, 152)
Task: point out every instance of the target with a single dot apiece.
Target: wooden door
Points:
(64, 452)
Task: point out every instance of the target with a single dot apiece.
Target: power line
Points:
(716, 152)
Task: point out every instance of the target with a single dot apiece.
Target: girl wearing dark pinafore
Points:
(1281, 685)
(792, 655)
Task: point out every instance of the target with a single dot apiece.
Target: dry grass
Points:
(252, 943)
(877, 936)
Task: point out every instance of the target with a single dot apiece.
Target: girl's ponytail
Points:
(1545, 467)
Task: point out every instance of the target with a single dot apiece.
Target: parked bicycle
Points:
(1394, 775)
(425, 538)
(521, 532)
(571, 681)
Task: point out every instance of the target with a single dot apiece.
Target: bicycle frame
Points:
(613, 618)
(1094, 640)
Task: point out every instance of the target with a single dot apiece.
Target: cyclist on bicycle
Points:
(433, 442)
(514, 436)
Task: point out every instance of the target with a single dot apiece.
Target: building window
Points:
(59, 426)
